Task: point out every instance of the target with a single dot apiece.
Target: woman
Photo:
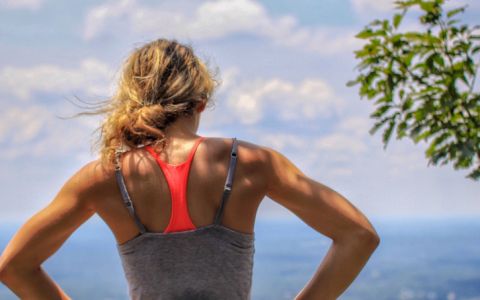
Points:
(182, 206)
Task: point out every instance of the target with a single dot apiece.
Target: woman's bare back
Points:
(149, 192)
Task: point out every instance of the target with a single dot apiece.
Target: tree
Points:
(423, 82)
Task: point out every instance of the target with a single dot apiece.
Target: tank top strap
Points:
(194, 149)
(189, 156)
(125, 196)
(228, 183)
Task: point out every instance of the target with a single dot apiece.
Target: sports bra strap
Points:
(226, 191)
(228, 183)
(123, 190)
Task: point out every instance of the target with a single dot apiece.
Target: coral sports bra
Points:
(187, 262)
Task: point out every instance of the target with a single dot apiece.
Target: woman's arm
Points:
(44, 233)
(328, 212)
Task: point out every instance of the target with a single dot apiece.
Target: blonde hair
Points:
(160, 81)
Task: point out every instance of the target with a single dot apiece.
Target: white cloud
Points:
(340, 142)
(228, 77)
(341, 171)
(310, 99)
(22, 124)
(281, 141)
(98, 17)
(19, 4)
(336, 153)
(367, 6)
(91, 76)
(348, 141)
(33, 130)
(401, 156)
(356, 125)
(213, 20)
(403, 161)
(472, 4)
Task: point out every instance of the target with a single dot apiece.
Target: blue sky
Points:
(283, 66)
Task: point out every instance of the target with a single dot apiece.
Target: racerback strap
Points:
(125, 196)
(228, 183)
(226, 191)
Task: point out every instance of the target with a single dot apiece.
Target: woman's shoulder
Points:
(99, 179)
(215, 146)
(92, 182)
(251, 157)
(247, 151)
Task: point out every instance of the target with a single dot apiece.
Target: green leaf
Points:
(416, 129)
(375, 22)
(453, 12)
(439, 60)
(377, 125)
(421, 136)
(442, 138)
(401, 128)
(397, 19)
(382, 100)
(380, 111)
(407, 104)
(427, 6)
(405, 4)
(475, 174)
(386, 25)
(437, 156)
(365, 34)
(419, 114)
(452, 22)
(411, 35)
(388, 132)
(425, 76)
(352, 83)
(458, 66)
(408, 58)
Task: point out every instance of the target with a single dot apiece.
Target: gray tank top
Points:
(208, 262)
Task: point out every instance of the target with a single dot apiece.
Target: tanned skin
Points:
(261, 171)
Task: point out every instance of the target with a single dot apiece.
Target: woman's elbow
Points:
(368, 238)
(360, 238)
